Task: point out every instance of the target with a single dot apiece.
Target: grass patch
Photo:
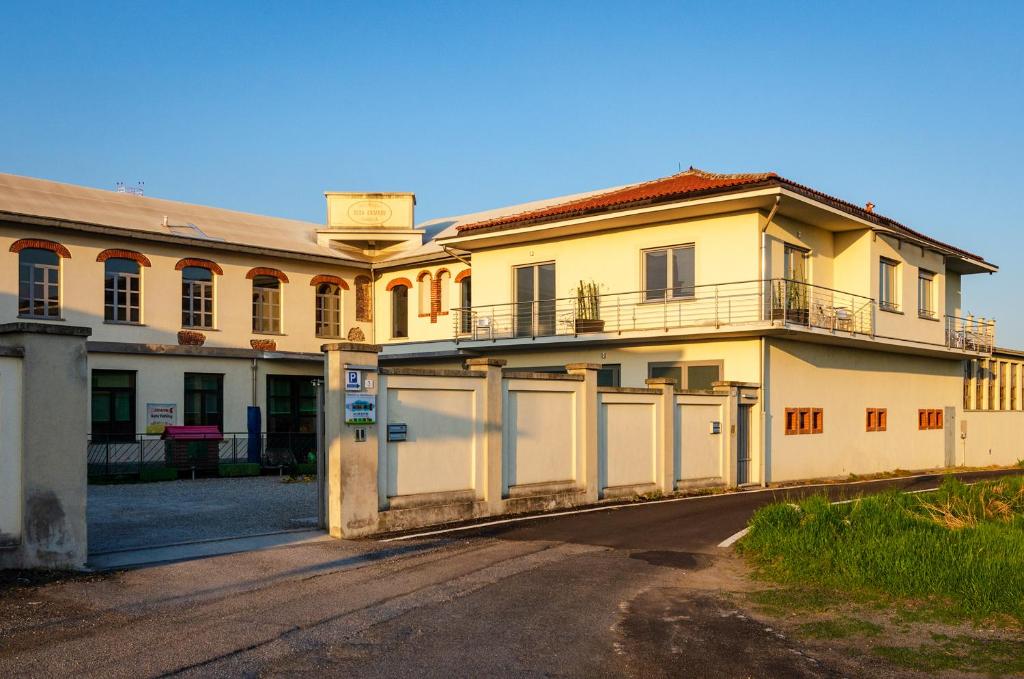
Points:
(959, 549)
(239, 469)
(839, 629)
(994, 657)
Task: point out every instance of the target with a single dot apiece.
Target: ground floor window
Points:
(291, 404)
(688, 375)
(204, 399)
(113, 406)
(610, 375)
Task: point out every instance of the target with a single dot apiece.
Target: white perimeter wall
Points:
(541, 433)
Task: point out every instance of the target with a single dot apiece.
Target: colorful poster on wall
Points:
(159, 416)
(360, 408)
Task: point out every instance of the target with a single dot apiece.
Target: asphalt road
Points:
(635, 591)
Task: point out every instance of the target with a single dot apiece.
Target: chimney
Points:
(870, 207)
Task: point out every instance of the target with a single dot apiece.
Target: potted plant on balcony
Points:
(588, 308)
(789, 301)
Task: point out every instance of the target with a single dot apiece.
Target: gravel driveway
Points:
(128, 516)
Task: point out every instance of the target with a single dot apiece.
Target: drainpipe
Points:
(763, 348)
(254, 386)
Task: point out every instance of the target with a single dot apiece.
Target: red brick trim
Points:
(421, 275)
(463, 275)
(364, 299)
(201, 263)
(266, 271)
(40, 244)
(137, 257)
(327, 278)
(398, 281)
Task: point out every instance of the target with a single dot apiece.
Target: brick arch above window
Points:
(398, 281)
(422, 274)
(267, 271)
(40, 244)
(201, 263)
(327, 278)
(137, 257)
(463, 275)
(441, 272)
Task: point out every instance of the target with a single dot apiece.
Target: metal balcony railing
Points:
(971, 334)
(702, 306)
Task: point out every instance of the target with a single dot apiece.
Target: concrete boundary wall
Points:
(43, 425)
(479, 443)
(990, 437)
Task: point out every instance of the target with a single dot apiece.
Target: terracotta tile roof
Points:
(688, 184)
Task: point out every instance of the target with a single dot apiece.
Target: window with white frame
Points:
(669, 273)
(926, 307)
(38, 283)
(888, 284)
(266, 304)
(122, 291)
(196, 297)
(328, 310)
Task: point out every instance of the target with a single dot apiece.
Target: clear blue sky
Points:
(262, 107)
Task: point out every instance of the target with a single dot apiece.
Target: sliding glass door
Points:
(535, 300)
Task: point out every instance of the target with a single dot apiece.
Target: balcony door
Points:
(535, 300)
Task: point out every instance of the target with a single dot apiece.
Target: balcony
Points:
(752, 305)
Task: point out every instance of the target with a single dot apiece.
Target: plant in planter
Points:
(588, 308)
(191, 338)
(796, 303)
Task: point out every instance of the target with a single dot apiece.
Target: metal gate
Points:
(743, 445)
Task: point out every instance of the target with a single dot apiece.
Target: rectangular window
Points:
(888, 285)
(804, 421)
(877, 419)
(266, 305)
(610, 375)
(926, 294)
(113, 406)
(796, 264)
(38, 283)
(122, 291)
(204, 399)
(196, 297)
(930, 418)
(328, 310)
(692, 376)
(792, 421)
(669, 272)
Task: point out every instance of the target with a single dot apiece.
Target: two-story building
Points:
(849, 324)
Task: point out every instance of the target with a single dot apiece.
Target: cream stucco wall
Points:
(628, 434)
(82, 291)
(540, 424)
(161, 379)
(845, 382)
(699, 453)
(726, 250)
(10, 450)
(423, 326)
(990, 438)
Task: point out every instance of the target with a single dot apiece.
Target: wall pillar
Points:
(730, 421)
(587, 467)
(665, 473)
(351, 483)
(54, 434)
(493, 434)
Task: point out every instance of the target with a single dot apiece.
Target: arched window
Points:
(122, 291)
(400, 311)
(266, 304)
(466, 304)
(38, 283)
(328, 310)
(423, 284)
(364, 298)
(444, 285)
(196, 297)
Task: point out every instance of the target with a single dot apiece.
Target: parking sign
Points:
(353, 380)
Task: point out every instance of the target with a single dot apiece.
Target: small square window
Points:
(817, 420)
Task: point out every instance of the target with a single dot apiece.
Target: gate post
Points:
(351, 472)
(666, 435)
(730, 417)
(493, 429)
(589, 445)
(43, 474)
